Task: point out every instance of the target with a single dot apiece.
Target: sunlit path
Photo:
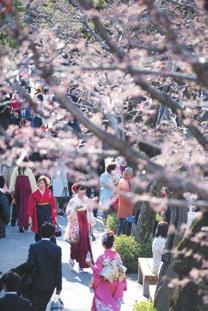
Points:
(75, 294)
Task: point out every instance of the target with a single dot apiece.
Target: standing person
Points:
(158, 245)
(60, 185)
(125, 205)
(4, 209)
(107, 188)
(36, 121)
(6, 172)
(14, 103)
(45, 257)
(120, 167)
(80, 220)
(22, 184)
(12, 301)
(15, 117)
(25, 111)
(108, 281)
(72, 123)
(41, 206)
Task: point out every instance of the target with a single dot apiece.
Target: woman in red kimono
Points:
(22, 184)
(41, 207)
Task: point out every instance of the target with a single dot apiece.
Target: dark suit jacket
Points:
(12, 302)
(45, 256)
(36, 122)
(4, 208)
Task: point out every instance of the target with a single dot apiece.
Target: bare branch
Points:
(131, 155)
(136, 71)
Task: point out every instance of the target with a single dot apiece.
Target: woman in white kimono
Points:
(80, 220)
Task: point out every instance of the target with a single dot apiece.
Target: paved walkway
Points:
(75, 294)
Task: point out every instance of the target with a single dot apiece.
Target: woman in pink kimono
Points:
(109, 280)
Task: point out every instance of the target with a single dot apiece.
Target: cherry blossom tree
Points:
(134, 74)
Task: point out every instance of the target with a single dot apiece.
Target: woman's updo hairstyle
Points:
(108, 239)
(45, 179)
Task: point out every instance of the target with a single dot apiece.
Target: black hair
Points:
(110, 168)
(47, 230)
(162, 229)
(2, 181)
(11, 280)
(21, 171)
(108, 239)
(40, 97)
(80, 186)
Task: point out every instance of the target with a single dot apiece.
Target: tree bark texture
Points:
(163, 292)
(193, 254)
(143, 229)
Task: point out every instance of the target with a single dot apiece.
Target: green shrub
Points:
(146, 249)
(129, 250)
(144, 306)
(112, 222)
(159, 218)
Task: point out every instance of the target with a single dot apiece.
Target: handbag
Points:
(57, 304)
(57, 230)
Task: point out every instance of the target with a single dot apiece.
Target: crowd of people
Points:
(36, 207)
(36, 202)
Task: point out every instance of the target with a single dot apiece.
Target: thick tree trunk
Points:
(143, 229)
(193, 256)
(163, 292)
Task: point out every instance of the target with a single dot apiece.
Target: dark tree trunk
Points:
(193, 254)
(163, 292)
(143, 229)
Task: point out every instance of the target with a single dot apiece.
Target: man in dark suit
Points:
(45, 257)
(12, 301)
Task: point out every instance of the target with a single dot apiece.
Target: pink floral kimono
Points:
(108, 282)
(80, 219)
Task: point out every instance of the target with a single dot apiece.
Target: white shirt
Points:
(59, 180)
(157, 250)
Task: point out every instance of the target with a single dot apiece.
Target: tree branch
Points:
(136, 71)
(131, 155)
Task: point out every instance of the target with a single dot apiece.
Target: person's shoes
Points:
(21, 230)
(61, 213)
(26, 228)
(93, 237)
(71, 264)
(13, 224)
(80, 270)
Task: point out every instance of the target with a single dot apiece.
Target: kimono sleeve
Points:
(32, 180)
(70, 207)
(97, 268)
(31, 205)
(53, 206)
(13, 180)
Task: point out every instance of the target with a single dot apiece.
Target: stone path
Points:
(75, 294)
